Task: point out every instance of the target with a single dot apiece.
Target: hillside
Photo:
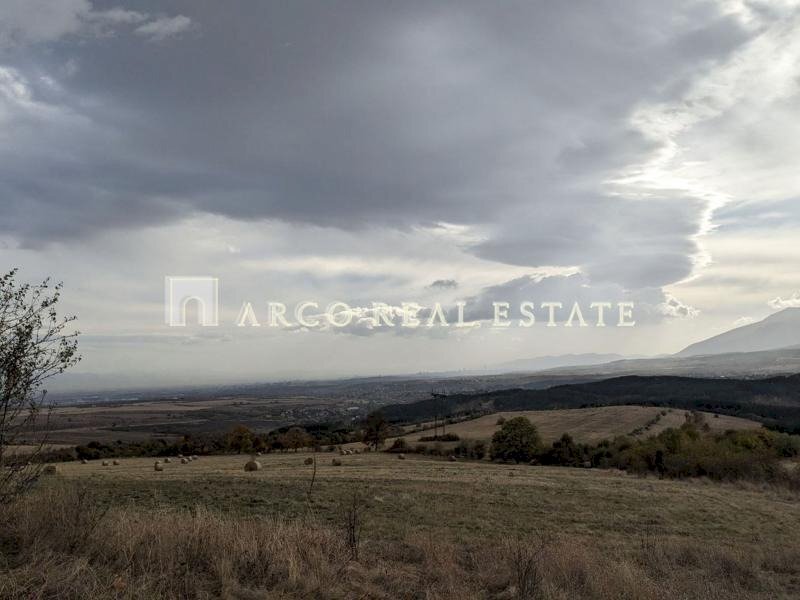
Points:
(774, 401)
(767, 363)
(780, 330)
(589, 425)
(427, 528)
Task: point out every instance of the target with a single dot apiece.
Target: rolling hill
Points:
(588, 425)
(774, 401)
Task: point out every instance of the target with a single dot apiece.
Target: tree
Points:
(297, 438)
(34, 346)
(376, 430)
(565, 452)
(516, 440)
(240, 439)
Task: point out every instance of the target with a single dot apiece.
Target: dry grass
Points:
(588, 424)
(50, 547)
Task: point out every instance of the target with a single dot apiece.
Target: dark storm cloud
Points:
(507, 117)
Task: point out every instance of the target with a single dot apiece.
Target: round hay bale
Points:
(84, 462)
(258, 453)
(184, 461)
(336, 462)
(195, 457)
(451, 458)
(50, 470)
(105, 463)
(180, 455)
(116, 463)
(308, 461)
(167, 460)
(252, 465)
(158, 466)
(401, 456)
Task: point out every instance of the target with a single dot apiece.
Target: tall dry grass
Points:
(53, 544)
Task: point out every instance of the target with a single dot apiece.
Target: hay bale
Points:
(451, 458)
(258, 453)
(184, 461)
(180, 455)
(50, 470)
(167, 460)
(116, 463)
(401, 456)
(158, 466)
(336, 462)
(84, 462)
(252, 465)
(105, 463)
(308, 461)
(195, 457)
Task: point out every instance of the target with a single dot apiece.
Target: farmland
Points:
(587, 425)
(428, 527)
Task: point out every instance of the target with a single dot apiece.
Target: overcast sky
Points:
(399, 151)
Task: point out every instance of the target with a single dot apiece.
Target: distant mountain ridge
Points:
(540, 363)
(780, 330)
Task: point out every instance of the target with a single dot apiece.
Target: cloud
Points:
(674, 308)
(533, 148)
(165, 27)
(792, 301)
(27, 22)
(444, 284)
(651, 305)
(35, 21)
(742, 321)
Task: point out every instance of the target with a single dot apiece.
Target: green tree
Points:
(516, 440)
(297, 438)
(376, 430)
(240, 439)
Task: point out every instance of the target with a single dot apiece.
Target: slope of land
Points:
(767, 363)
(779, 330)
(589, 425)
(774, 401)
(428, 528)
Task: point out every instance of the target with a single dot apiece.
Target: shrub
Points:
(399, 445)
(447, 437)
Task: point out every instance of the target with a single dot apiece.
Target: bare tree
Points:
(34, 346)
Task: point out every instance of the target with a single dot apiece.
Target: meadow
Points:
(586, 425)
(424, 527)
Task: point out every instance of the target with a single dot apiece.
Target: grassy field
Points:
(455, 499)
(429, 528)
(588, 424)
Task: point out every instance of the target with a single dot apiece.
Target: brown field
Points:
(169, 419)
(587, 424)
(431, 528)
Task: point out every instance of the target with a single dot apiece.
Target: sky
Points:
(398, 152)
